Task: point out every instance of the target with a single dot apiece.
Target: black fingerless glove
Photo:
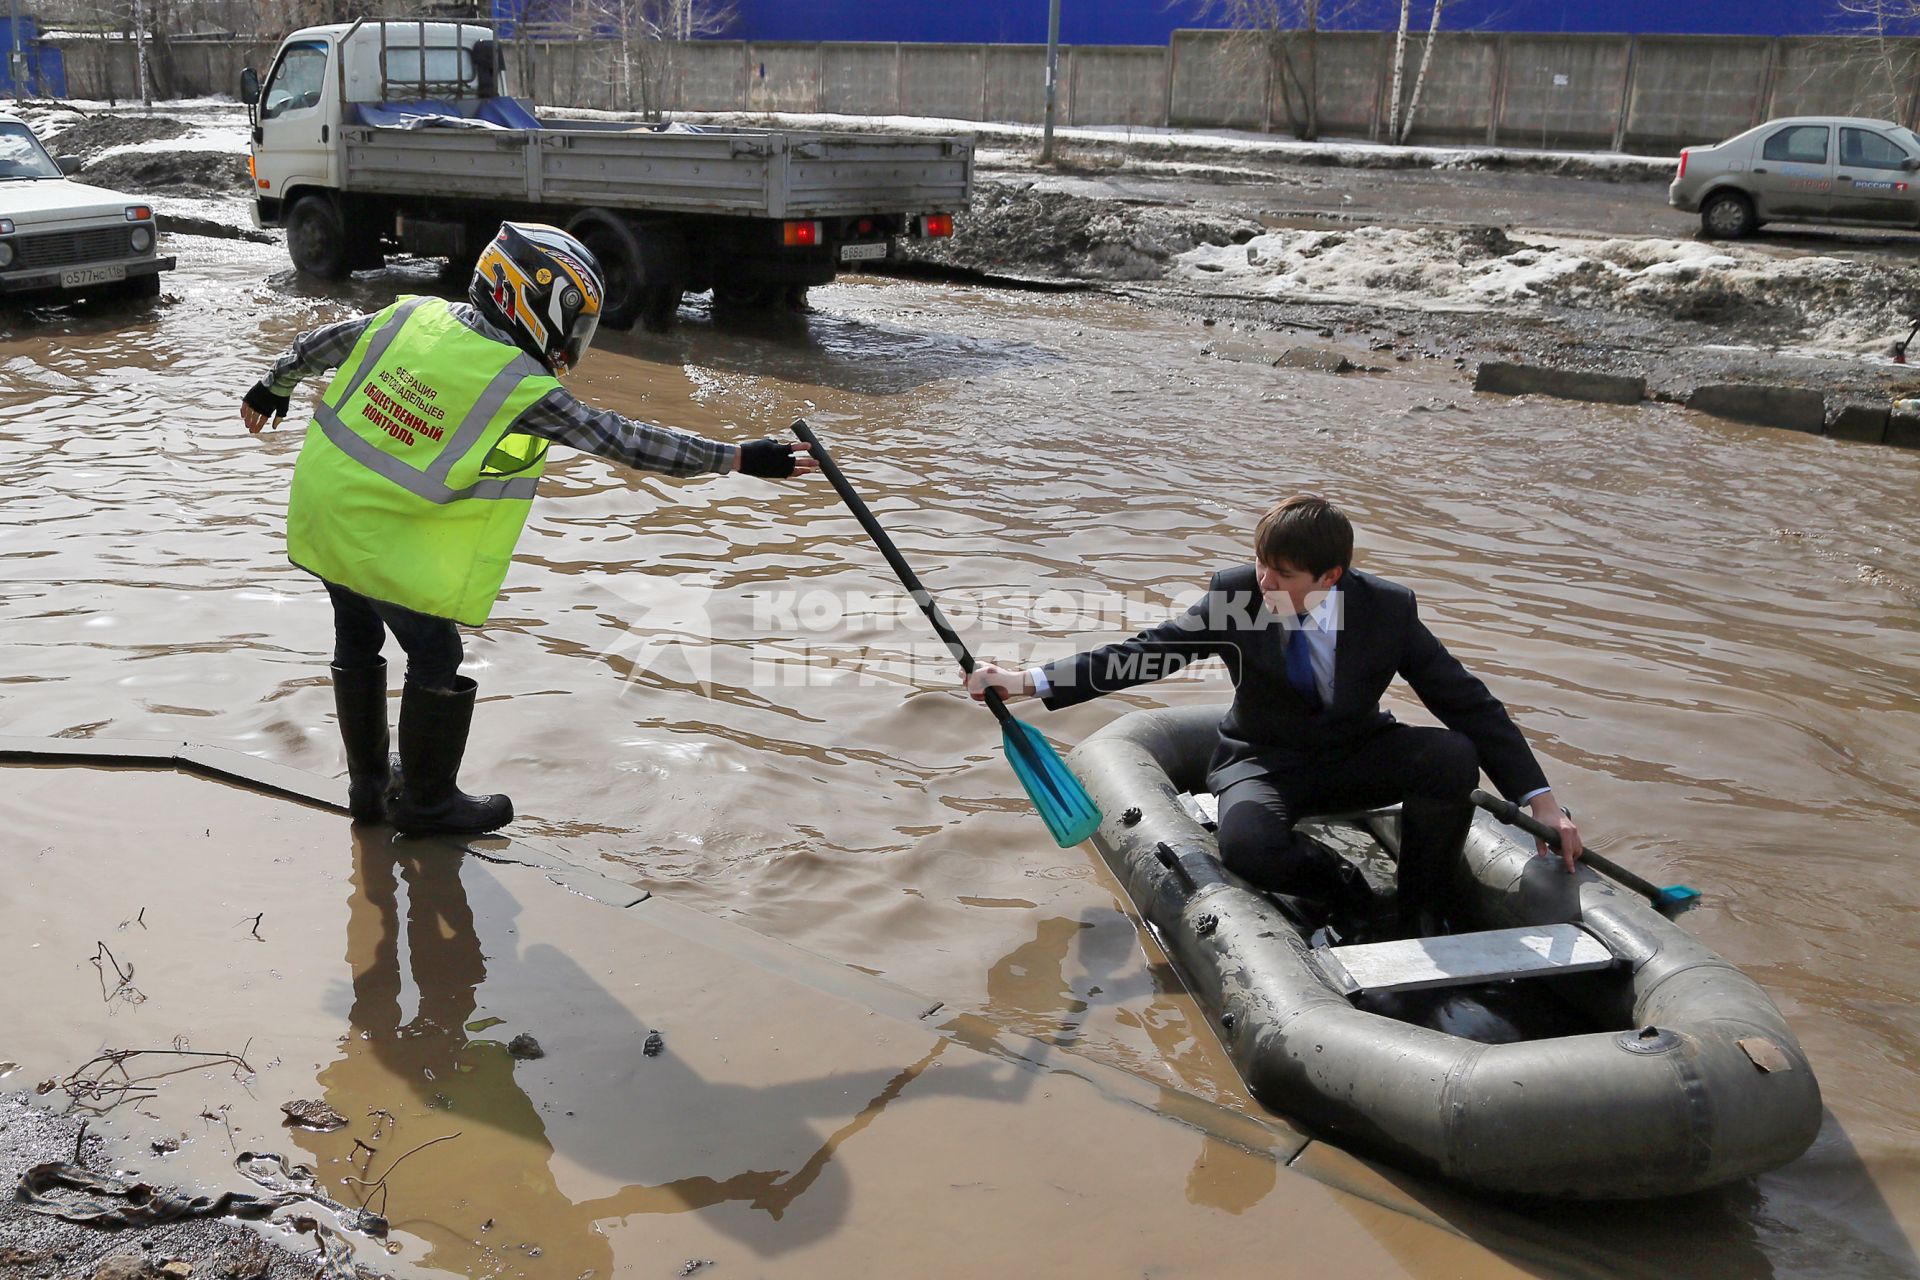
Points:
(770, 458)
(261, 398)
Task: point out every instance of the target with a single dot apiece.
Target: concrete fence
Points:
(1649, 94)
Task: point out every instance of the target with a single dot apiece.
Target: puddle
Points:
(1707, 631)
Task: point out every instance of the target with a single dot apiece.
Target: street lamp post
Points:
(1053, 78)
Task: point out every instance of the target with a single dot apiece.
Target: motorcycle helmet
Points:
(542, 286)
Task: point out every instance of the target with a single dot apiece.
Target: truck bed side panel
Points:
(751, 174)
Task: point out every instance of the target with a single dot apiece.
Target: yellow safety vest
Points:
(412, 486)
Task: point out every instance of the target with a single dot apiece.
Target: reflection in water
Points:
(431, 1078)
(1227, 1177)
(412, 933)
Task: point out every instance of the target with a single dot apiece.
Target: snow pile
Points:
(1829, 303)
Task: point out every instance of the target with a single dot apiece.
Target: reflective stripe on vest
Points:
(412, 486)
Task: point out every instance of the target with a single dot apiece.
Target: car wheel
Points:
(1727, 215)
(315, 239)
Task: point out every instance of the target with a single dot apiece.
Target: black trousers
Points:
(360, 628)
(1429, 772)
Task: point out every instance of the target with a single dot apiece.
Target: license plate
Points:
(80, 277)
(862, 252)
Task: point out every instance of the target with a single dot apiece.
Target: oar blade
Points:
(1069, 812)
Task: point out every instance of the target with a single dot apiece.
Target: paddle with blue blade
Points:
(1064, 804)
(1670, 901)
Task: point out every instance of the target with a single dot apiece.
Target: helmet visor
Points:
(579, 338)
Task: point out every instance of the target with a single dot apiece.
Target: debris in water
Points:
(655, 1044)
(525, 1046)
(313, 1114)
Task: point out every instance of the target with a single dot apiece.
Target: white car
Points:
(64, 237)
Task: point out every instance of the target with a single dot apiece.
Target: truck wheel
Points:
(315, 239)
(1727, 215)
(645, 265)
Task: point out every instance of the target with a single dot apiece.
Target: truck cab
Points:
(62, 237)
(400, 135)
(324, 78)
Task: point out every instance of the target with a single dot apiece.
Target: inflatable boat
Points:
(1612, 1056)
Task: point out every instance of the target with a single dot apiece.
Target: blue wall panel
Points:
(1150, 22)
(45, 72)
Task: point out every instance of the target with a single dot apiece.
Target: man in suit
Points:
(1311, 645)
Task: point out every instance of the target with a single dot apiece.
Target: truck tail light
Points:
(138, 213)
(1683, 165)
(936, 224)
(802, 234)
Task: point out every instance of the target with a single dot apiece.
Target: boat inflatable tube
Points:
(1700, 1083)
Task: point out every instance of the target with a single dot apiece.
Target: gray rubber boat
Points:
(1672, 1071)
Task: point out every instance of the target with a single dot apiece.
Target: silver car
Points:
(1837, 169)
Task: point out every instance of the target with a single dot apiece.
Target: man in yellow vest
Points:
(415, 480)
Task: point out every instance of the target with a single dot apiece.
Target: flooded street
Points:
(1710, 633)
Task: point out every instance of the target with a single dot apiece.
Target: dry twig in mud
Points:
(221, 1116)
(256, 925)
(101, 1091)
(380, 1184)
(124, 987)
(382, 1118)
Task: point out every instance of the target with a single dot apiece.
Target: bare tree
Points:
(643, 37)
(1284, 37)
(1420, 80)
(1399, 61)
(1880, 59)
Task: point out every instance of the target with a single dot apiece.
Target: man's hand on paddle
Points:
(1011, 684)
(1548, 811)
(262, 407)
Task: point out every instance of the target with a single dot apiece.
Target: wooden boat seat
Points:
(1414, 964)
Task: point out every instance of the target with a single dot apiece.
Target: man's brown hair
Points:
(1305, 532)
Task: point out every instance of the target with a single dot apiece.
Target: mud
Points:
(180, 173)
(35, 1246)
(1023, 230)
(1678, 329)
(89, 136)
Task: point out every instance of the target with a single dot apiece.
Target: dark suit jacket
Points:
(1269, 730)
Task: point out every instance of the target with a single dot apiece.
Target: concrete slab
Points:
(1903, 430)
(1788, 408)
(1862, 422)
(1508, 379)
(704, 1094)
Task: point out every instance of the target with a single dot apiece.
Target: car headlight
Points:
(142, 239)
(6, 254)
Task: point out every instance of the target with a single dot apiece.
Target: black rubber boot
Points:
(1432, 833)
(433, 738)
(360, 702)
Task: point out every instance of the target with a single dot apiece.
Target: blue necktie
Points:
(1300, 667)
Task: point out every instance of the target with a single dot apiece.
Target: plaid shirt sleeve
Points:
(564, 419)
(315, 351)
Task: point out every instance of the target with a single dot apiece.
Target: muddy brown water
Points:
(1708, 632)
